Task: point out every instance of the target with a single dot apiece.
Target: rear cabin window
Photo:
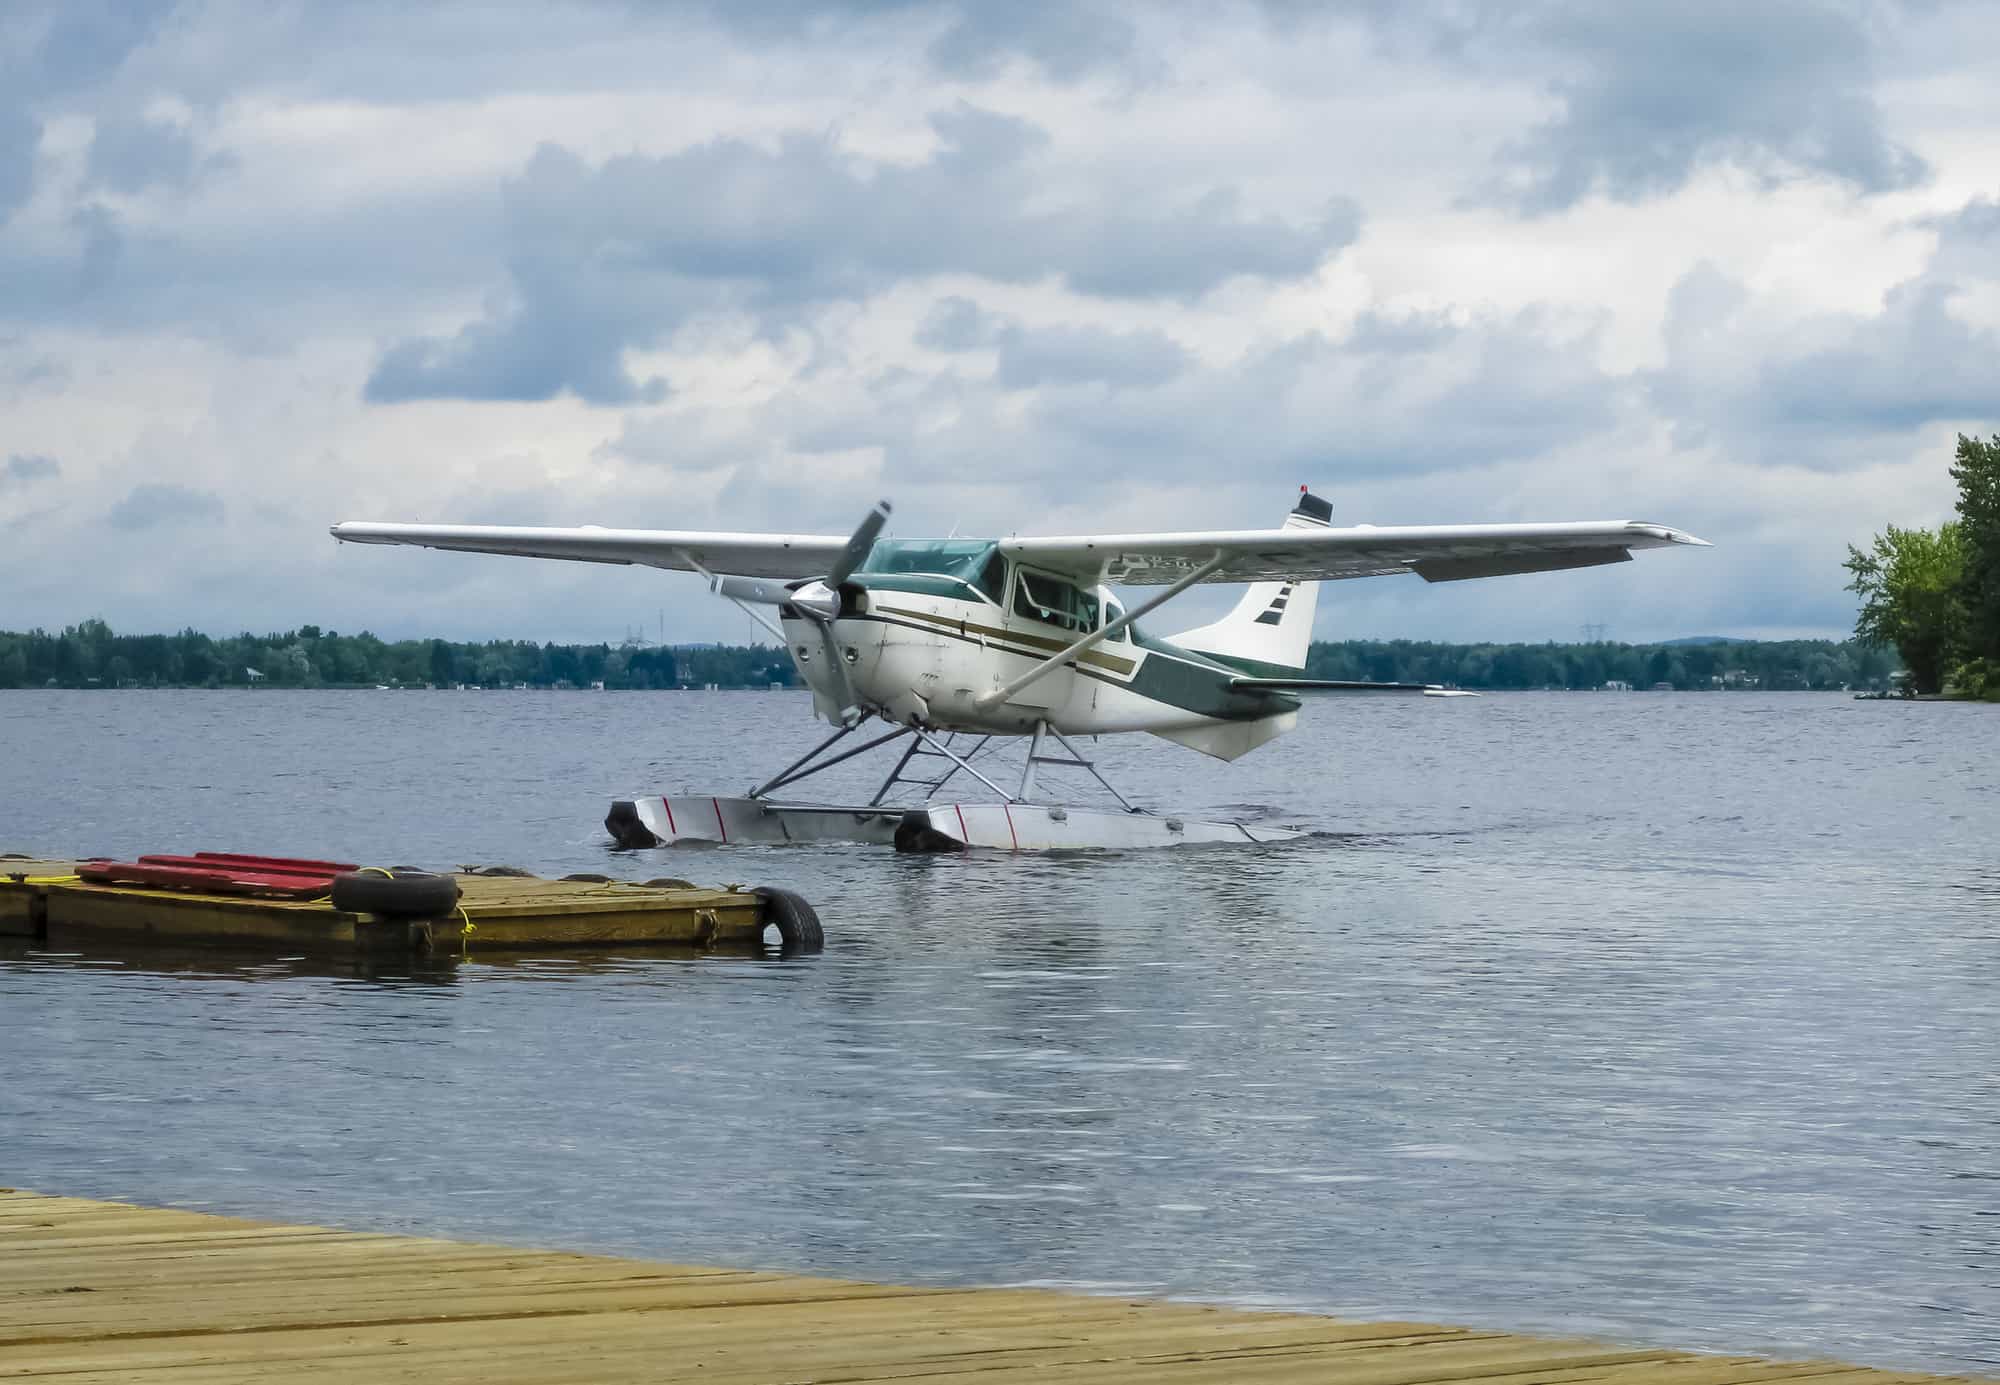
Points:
(1055, 602)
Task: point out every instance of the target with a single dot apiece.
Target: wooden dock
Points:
(99, 1293)
(44, 899)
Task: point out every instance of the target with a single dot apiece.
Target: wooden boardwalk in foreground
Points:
(94, 1292)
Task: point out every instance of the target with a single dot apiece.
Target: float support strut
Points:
(792, 773)
(1034, 759)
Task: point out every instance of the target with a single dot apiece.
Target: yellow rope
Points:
(465, 933)
(45, 879)
(382, 871)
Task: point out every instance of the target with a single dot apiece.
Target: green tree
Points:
(1977, 471)
(1909, 588)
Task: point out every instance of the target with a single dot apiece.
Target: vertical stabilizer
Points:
(1271, 627)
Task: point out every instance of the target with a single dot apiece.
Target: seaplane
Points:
(959, 646)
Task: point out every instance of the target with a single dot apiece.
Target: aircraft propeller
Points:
(819, 600)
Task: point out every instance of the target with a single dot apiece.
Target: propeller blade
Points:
(756, 590)
(857, 548)
(818, 602)
(850, 709)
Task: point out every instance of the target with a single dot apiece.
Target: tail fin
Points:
(1271, 627)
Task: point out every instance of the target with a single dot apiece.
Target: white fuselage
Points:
(921, 656)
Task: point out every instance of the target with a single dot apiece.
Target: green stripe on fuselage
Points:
(1167, 673)
(1195, 683)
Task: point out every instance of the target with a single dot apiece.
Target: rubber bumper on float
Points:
(915, 834)
(400, 893)
(627, 832)
(796, 921)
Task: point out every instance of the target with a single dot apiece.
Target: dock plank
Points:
(95, 1293)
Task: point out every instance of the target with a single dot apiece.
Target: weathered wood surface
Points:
(96, 1293)
(504, 911)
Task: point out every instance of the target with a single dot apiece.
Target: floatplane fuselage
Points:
(956, 636)
(978, 638)
(920, 654)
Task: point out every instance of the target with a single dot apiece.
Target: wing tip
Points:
(357, 531)
(1668, 533)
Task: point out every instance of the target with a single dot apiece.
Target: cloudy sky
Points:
(1024, 267)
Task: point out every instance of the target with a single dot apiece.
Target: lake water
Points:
(1670, 1018)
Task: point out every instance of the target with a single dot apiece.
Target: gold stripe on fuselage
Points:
(974, 634)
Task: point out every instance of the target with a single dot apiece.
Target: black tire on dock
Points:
(587, 878)
(403, 893)
(796, 921)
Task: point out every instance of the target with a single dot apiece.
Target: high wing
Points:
(1435, 552)
(745, 555)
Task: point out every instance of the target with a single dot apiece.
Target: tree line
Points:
(1761, 665)
(1934, 594)
(91, 654)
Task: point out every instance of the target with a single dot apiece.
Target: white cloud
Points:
(684, 265)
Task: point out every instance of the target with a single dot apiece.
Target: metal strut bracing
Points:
(928, 744)
(959, 762)
(803, 768)
(919, 746)
(1074, 760)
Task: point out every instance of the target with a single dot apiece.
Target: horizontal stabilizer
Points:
(1340, 685)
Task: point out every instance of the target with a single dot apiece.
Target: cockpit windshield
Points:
(975, 561)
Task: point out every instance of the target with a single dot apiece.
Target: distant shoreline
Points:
(92, 656)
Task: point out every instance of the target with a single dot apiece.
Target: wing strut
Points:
(1096, 637)
(715, 585)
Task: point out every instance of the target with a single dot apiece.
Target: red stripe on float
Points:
(963, 835)
(670, 817)
(1010, 826)
(718, 820)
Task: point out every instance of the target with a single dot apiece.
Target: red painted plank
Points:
(254, 865)
(288, 863)
(208, 881)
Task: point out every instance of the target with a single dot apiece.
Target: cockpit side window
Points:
(1113, 611)
(992, 579)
